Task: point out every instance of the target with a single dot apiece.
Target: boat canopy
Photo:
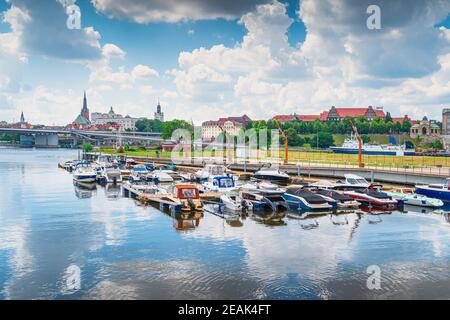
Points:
(224, 182)
(308, 195)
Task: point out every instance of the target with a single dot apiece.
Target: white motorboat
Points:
(138, 174)
(112, 175)
(161, 176)
(415, 199)
(85, 173)
(271, 175)
(352, 182)
(219, 184)
(233, 202)
(212, 170)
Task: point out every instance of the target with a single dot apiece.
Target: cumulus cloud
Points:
(403, 66)
(146, 11)
(41, 27)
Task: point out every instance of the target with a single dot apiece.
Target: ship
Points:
(350, 146)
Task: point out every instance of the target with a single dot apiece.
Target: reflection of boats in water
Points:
(112, 191)
(268, 218)
(186, 221)
(84, 190)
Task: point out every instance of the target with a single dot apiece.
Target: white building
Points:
(232, 125)
(125, 123)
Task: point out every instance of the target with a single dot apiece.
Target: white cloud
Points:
(402, 67)
(141, 72)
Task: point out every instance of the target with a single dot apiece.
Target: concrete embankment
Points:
(399, 176)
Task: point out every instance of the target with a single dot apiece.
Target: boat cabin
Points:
(223, 182)
(186, 191)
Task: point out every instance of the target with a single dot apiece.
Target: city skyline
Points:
(261, 58)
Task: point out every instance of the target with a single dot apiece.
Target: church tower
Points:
(22, 118)
(159, 115)
(85, 110)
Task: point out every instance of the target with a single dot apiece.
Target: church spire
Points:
(22, 118)
(85, 110)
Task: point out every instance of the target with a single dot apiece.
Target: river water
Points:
(59, 241)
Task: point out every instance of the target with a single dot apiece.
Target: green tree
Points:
(170, 126)
(388, 117)
(324, 139)
(149, 125)
(87, 147)
(406, 126)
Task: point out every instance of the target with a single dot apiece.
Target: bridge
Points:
(49, 138)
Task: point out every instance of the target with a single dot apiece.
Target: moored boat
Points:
(372, 198)
(437, 191)
(415, 199)
(299, 198)
(342, 201)
(271, 175)
(85, 173)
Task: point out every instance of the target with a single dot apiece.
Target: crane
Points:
(355, 130)
(286, 144)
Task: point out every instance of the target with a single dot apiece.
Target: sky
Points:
(208, 59)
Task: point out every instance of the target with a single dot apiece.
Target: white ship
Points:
(350, 146)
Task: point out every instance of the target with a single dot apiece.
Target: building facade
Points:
(159, 115)
(125, 123)
(426, 129)
(446, 121)
(336, 114)
(231, 125)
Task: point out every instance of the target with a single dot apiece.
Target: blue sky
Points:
(205, 60)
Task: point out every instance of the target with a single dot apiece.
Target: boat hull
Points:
(299, 203)
(85, 178)
(441, 194)
(271, 178)
(370, 152)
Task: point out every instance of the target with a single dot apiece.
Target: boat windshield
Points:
(188, 193)
(356, 181)
(226, 183)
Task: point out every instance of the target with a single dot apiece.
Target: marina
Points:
(147, 246)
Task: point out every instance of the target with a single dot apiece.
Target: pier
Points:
(404, 176)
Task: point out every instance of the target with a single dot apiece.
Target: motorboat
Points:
(264, 199)
(437, 191)
(149, 166)
(212, 170)
(351, 146)
(188, 196)
(103, 161)
(125, 173)
(143, 187)
(129, 163)
(340, 201)
(233, 202)
(372, 198)
(262, 185)
(414, 199)
(219, 184)
(352, 182)
(161, 176)
(299, 198)
(84, 173)
(112, 175)
(271, 175)
(138, 173)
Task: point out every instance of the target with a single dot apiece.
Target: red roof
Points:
(324, 116)
(309, 117)
(284, 118)
(401, 119)
(244, 120)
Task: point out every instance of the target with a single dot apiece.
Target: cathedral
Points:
(159, 115)
(83, 119)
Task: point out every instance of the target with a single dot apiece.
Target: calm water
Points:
(49, 228)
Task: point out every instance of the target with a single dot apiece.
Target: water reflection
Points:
(124, 249)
